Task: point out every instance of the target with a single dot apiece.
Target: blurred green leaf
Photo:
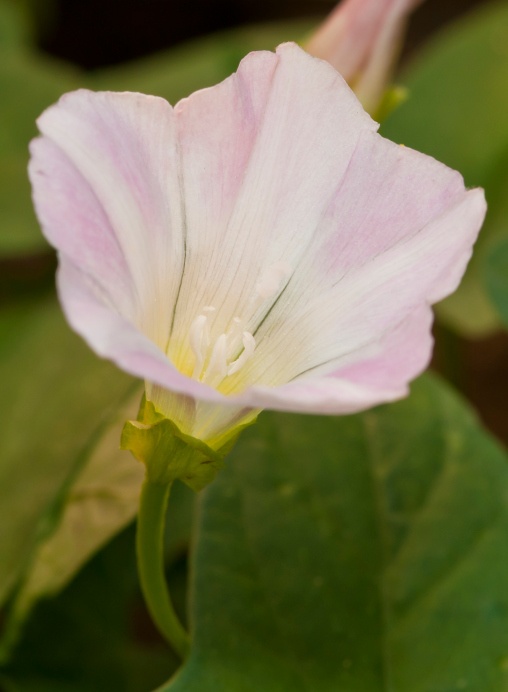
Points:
(28, 84)
(95, 636)
(56, 401)
(14, 26)
(457, 111)
(367, 552)
(102, 500)
(496, 277)
(178, 72)
(20, 233)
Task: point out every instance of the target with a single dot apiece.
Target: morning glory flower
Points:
(257, 246)
(362, 40)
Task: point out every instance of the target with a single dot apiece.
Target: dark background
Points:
(93, 33)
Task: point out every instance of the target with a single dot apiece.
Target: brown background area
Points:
(93, 33)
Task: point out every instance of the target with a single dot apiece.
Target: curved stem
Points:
(150, 554)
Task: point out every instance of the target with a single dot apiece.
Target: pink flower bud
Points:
(361, 39)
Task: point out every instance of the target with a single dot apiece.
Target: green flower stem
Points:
(150, 553)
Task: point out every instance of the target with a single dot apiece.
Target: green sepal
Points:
(168, 453)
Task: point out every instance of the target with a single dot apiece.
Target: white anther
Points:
(249, 344)
(270, 282)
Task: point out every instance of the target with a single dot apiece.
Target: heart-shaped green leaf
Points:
(360, 554)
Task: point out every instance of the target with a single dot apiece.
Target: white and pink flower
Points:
(257, 246)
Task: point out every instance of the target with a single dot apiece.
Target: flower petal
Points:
(261, 154)
(400, 356)
(106, 182)
(75, 222)
(397, 236)
(382, 376)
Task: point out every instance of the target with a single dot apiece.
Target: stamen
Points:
(249, 344)
(212, 363)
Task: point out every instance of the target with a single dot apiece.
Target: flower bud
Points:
(362, 40)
